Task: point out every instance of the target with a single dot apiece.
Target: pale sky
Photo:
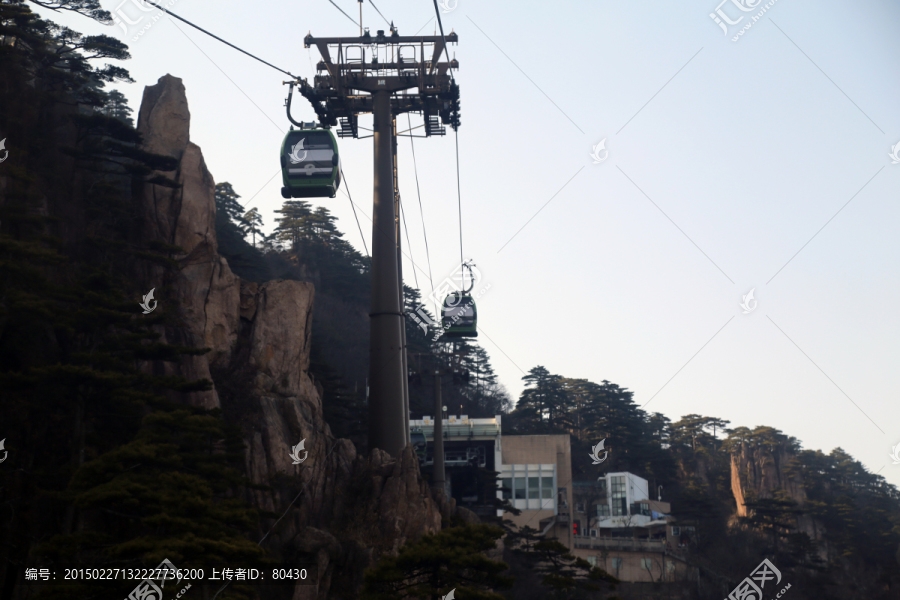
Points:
(758, 164)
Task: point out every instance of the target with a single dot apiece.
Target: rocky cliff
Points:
(339, 509)
(758, 472)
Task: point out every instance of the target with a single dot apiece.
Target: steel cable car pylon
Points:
(384, 75)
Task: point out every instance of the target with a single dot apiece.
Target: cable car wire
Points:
(441, 25)
(390, 24)
(222, 71)
(345, 14)
(458, 195)
(408, 245)
(167, 11)
(421, 211)
(456, 135)
(424, 26)
(353, 206)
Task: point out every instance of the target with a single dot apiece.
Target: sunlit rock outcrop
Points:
(757, 473)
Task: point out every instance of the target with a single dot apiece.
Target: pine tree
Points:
(117, 107)
(540, 405)
(562, 575)
(435, 564)
(232, 227)
(294, 224)
(252, 222)
(227, 202)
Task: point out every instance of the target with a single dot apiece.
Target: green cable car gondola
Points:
(459, 316)
(310, 163)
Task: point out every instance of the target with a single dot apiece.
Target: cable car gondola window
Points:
(309, 154)
(463, 314)
(310, 164)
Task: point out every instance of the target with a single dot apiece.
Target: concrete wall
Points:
(632, 568)
(539, 449)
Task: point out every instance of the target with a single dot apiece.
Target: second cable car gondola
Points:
(459, 316)
(310, 163)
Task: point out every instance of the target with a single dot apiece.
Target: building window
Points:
(592, 560)
(506, 484)
(619, 498)
(519, 488)
(616, 564)
(670, 566)
(530, 487)
(579, 507)
(676, 531)
(547, 488)
(533, 491)
(602, 511)
(647, 563)
(640, 508)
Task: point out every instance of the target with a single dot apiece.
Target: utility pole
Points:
(438, 473)
(438, 477)
(353, 78)
(398, 234)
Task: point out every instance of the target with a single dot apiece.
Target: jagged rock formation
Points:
(758, 473)
(351, 507)
(206, 291)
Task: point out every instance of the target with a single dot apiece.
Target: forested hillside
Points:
(826, 521)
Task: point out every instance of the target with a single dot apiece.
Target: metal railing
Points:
(629, 545)
(462, 430)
